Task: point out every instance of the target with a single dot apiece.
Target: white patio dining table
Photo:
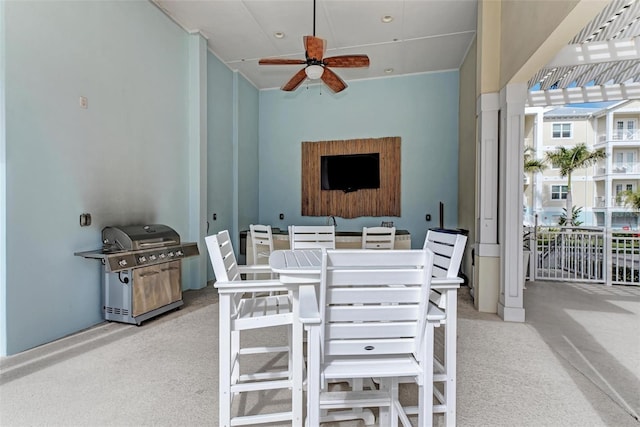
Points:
(299, 267)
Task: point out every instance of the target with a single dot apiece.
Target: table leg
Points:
(450, 354)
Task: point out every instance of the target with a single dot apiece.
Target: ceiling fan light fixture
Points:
(278, 35)
(314, 72)
(386, 19)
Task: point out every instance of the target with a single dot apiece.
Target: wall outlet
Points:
(281, 216)
(428, 217)
(84, 102)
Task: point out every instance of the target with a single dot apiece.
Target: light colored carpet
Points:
(164, 373)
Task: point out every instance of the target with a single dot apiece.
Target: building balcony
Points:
(631, 168)
(625, 137)
(600, 203)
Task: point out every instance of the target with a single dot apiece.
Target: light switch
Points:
(84, 102)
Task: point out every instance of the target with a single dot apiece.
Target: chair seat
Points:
(337, 367)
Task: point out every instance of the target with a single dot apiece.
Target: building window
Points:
(561, 130)
(559, 192)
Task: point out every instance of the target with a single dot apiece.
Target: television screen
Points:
(350, 172)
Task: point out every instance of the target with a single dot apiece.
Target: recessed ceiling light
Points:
(278, 35)
(387, 18)
(388, 70)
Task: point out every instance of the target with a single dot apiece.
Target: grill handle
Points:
(163, 243)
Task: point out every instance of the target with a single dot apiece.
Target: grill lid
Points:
(136, 237)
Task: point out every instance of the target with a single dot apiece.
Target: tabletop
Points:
(303, 265)
(299, 266)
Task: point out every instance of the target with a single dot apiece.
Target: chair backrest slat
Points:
(261, 239)
(374, 302)
(378, 237)
(223, 259)
(448, 249)
(312, 236)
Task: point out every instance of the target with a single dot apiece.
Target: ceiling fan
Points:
(317, 66)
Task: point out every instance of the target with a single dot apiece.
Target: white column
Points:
(197, 268)
(512, 100)
(485, 277)
(488, 107)
(608, 193)
(539, 144)
(608, 188)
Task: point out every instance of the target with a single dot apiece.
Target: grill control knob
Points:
(170, 254)
(179, 253)
(152, 258)
(162, 256)
(122, 262)
(142, 259)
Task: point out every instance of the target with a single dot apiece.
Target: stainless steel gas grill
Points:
(142, 271)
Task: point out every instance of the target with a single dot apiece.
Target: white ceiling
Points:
(424, 36)
(600, 63)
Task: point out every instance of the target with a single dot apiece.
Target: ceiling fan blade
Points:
(315, 47)
(347, 61)
(295, 81)
(281, 61)
(331, 79)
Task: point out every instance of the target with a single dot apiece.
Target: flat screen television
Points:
(350, 172)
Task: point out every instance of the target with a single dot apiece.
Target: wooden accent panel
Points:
(383, 201)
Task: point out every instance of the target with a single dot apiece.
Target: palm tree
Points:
(570, 159)
(531, 167)
(531, 164)
(629, 198)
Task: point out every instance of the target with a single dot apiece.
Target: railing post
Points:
(608, 255)
(533, 272)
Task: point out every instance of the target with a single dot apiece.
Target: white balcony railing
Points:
(584, 254)
(621, 135)
(601, 202)
(628, 168)
(625, 168)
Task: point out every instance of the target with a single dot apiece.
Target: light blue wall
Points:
(220, 147)
(3, 186)
(421, 109)
(131, 62)
(248, 162)
(232, 152)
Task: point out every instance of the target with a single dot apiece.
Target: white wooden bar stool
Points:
(239, 313)
(355, 333)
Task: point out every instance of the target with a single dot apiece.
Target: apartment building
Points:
(612, 127)
(617, 132)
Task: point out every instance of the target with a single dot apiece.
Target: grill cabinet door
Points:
(156, 286)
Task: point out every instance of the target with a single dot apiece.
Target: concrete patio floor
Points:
(574, 362)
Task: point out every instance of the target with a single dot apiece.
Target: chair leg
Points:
(393, 398)
(425, 384)
(224, 374)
